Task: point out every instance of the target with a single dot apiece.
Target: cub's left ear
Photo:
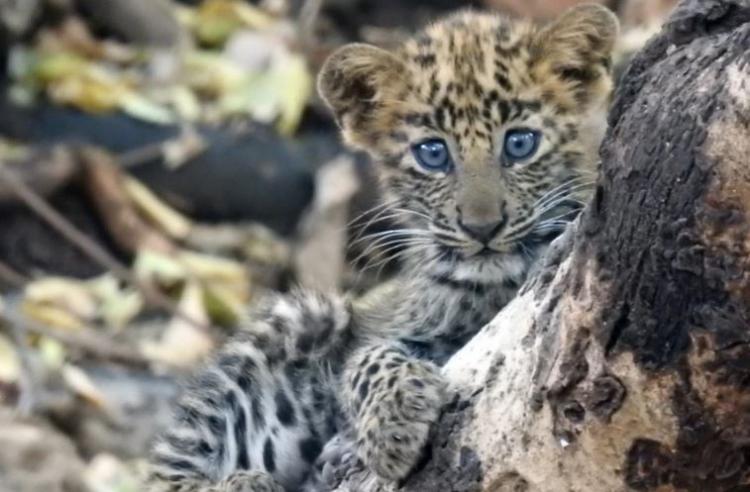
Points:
(578, 46)
(357, 82)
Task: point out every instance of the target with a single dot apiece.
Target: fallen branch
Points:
(89, 247)
(87, 340)
(308, 19)
(28, 387)
(45, 171)
(11, 277)
(104, 183)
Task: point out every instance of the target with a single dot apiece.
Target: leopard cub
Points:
(485, 132)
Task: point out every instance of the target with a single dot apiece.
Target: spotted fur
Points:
(309, 369)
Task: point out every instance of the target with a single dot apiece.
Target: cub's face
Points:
(485, 130)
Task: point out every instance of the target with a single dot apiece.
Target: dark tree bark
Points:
(624, 364)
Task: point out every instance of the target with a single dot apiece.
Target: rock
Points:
(36, 458)
(138, 404)
(147, 22)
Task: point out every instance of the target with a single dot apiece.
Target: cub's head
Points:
(485, 129)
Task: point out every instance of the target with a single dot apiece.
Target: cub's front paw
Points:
(249, 481)
(396, 418)
(336, 461)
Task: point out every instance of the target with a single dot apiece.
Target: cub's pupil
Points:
(520, 144)
(435, 152)
(433, 155)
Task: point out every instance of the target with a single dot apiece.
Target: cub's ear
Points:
(578, 45)
(357, 81)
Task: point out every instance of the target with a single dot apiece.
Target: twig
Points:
(308, 18)
(175, 151)
(141, 155)
(27, 386)
(89, 247)
(11, 277)
(45, 171)
(85, 339)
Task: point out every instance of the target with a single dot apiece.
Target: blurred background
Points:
(163, 164)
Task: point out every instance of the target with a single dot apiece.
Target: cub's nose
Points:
(483, 232)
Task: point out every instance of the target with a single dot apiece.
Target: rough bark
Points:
(624, 364)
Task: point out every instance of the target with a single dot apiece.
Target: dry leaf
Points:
(117, 305)
(174, 224)
(183, 343)
(71, 303)
(10, 364)
(87, 86)
(254, 51)
(216, 269)
(216, 20)
(178, 151)
(210, 74)
(82, 385)
(13, 151)
(295, 85)
(226, 279)
(279, 94)
(70, 294)
(158, 269)
(188, 108)
(222, 303)
(139, 107)
(52, 67)
(106, 473)
(52, 316)
(59, 302)
(52, 353)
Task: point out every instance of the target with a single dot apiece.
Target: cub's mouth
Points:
(487, 252)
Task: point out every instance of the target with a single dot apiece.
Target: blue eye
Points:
(520, 145)
(433, 155)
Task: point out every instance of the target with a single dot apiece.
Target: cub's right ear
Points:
(356, 82)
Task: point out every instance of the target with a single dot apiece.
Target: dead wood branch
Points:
(89, 247)
(105, 186)
(44, 171)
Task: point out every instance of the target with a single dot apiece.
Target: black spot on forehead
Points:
(519, 108)
(502, 80)
(425, 60)
(434, 89)
(508, 50)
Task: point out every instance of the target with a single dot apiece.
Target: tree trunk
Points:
(624, 364)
